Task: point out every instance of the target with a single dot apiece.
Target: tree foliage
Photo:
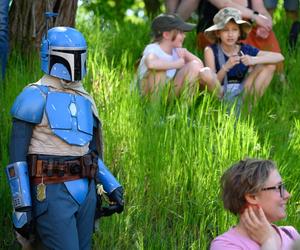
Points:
(109, 9)
(152, 7)
(27, 20)
(116, 9)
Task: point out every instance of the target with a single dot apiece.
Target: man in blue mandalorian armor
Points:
(56, 150)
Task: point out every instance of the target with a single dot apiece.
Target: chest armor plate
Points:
(70, 117)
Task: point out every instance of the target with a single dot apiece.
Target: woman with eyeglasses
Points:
(253, 190)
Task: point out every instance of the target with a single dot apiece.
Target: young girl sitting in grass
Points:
(164, 60)
(240, 67)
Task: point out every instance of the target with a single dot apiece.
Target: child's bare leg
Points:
(259, 79)
(209, 79)
(172, 5)
(188, 73)
(152, 82)
(192, 72)
(248, 85)
(186, 8)
(263, 79)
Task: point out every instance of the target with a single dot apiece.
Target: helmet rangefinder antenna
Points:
(48, 16)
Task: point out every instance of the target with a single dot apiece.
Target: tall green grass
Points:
(168, 155)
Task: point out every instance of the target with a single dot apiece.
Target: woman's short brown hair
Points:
(245, 177)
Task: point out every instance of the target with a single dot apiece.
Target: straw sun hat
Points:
(222, 18)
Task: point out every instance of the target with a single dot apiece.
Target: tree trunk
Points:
(152, 7)
(27, 21)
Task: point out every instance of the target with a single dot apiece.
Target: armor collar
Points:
(60, 85)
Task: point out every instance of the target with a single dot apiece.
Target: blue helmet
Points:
(63, 54)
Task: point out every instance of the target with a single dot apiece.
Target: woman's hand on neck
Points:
(254, 225)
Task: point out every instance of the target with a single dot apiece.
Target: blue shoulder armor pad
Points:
(106, 178)
(30, 103)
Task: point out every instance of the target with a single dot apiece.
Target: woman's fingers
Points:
(262, 215)
(254, 217)
(245, 217)
(256, 224)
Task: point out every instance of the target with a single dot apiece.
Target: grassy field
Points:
(169, 156)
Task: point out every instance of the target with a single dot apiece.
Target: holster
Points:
(89, 165)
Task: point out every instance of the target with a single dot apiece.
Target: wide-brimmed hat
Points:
(167, 22)
(222, 18)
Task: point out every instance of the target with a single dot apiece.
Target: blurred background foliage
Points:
(118, 9)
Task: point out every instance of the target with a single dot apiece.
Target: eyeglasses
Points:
(279, 187)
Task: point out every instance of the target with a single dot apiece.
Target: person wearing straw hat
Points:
(251, 10)
(165, 59)
(239, 67)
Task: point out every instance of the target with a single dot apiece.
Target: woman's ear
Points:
(251, 199)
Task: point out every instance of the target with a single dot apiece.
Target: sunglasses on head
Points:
(279, 187)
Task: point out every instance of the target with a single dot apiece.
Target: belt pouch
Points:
(32, 165)
(61, 168)
(50, 168)
(86, 163)
(94, 168)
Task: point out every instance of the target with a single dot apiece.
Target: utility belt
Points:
(57, 170)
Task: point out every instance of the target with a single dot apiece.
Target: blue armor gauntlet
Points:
(18, 179)
(106, 178)
(112, 188)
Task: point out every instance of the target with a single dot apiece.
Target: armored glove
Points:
(116, 199)
(26, 231)
(23, 224)
(116, 204)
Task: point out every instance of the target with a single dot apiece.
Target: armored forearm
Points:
(105, 177)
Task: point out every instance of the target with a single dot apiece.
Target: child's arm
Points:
(188, 56)
(155, 63)
(263, 57)
(209, 59)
